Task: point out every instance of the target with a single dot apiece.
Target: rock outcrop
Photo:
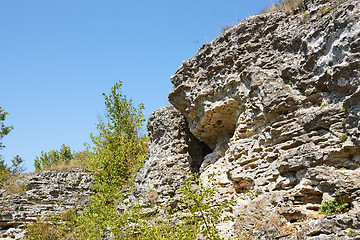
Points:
(277, 100)
(45, 193)
(174, 153)
(268, 113)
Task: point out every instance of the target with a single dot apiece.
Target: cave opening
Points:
(197, 150)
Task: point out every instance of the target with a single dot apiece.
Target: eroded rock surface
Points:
(173, 154)
(45, 193)
(277, 99)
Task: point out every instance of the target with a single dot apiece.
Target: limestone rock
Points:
(45, 193)
(173, 154)
(281, 91)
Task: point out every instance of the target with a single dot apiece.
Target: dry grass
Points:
(290, 6)
(287, 6)
(66, 166)
(16, 184)
(79, 160)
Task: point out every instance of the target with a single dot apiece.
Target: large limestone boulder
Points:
(277, 99)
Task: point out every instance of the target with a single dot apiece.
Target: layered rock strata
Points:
(174, 153)
(277, 99)
(43, 194)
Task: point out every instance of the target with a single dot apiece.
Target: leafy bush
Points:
(118, 148)
(332, 206)
(204, 208)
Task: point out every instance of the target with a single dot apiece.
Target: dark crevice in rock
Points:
(197, 150)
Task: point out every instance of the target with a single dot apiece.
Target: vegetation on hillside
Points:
(7, 172)
(53, 158)
(118, 152)
(288, 5)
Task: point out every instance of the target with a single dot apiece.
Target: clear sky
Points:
(57, 57)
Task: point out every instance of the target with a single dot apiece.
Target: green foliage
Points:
(332, 206)
(4, 130)
(351, 232)
(118, 147)
(343, 121)
(53, 157)
(204, 208)
(289, 81)
(4, 171)
(344, 109)
(343, 137)
(201, 213)
(55, 227)
(7, 172)
(118, 153)
(17, 165)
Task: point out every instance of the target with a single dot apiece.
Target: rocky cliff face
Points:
(45, 193)
(268, 113)
(173, 154)
(277, 100)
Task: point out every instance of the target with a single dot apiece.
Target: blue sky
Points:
(57, 57)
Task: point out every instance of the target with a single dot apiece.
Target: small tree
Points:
(4, 130)
(118, 152)
(17, 162)
(17, 166)
(119, 146)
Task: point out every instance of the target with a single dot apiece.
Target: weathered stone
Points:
(174, 153)
(282, 91)
(268, 113)
(45, 193)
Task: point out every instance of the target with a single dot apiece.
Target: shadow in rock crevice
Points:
(197, 150)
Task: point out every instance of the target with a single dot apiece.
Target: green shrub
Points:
(343, 137)
(351, 232)
(332, 206)
(53, 157)
(204, 208)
